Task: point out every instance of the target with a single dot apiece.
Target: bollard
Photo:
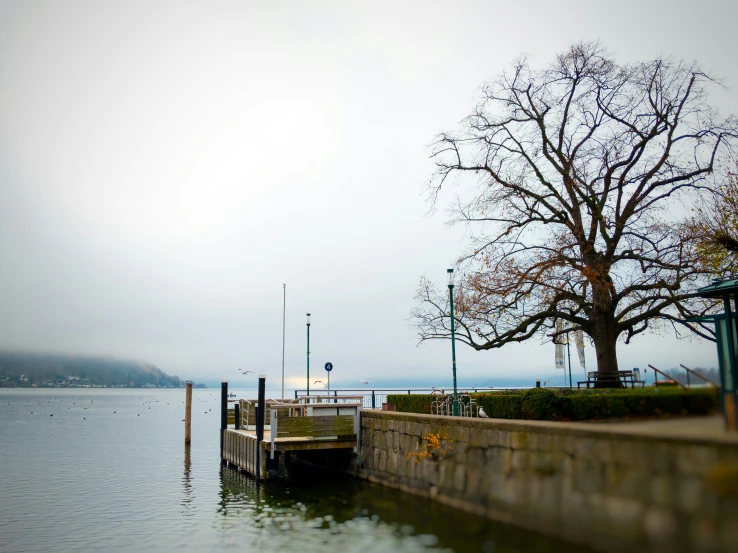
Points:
(223, 413)
(237, 418)
(538, 382)
(260, 410)
(373, 400)
(188, 412)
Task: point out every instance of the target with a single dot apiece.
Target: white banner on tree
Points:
(559, 341)
(560, 356)
(579, 341)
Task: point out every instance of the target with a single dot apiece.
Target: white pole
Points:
(284, 311)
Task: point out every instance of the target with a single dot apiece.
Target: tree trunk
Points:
(604, 331)
(605, 336)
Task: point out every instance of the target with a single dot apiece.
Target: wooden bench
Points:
(625, 378)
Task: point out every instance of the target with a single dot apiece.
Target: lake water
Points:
(109, 472)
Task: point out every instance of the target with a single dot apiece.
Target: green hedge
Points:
(411, 403)
(574, 405)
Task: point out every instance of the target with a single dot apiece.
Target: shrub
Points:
(505, 405)
(539, 404)
(411, 403)
(574, 405)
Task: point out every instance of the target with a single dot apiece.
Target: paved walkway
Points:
(686, 427)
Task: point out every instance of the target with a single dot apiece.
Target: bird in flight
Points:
(365, 381)
(246, 372)
(319, 382)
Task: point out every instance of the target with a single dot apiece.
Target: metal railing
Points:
(375, 397)
(670, 380)
(698, 375)
(444, 405)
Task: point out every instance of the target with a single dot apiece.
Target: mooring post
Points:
(237, 418)
(260, 410)
(188, 412)
(223, 413)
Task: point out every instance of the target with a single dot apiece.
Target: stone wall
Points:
(582, 482)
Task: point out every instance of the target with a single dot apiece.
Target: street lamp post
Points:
(284, 315)
(308, 354)
(453, 337)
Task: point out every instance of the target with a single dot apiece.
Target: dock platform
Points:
(291, 426)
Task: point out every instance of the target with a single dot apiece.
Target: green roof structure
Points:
(726, 333)
(721, 289)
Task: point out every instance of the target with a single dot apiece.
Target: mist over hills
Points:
(48, 369)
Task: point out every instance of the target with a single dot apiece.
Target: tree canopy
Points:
(714, 227)
(575, 182)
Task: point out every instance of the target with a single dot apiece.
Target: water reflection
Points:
(238, 492)
(325, 509)
(187, 482)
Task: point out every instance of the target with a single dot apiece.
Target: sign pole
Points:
(328, 369)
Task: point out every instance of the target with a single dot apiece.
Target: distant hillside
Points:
(29, 369)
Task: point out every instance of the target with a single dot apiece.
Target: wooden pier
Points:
(290, 426)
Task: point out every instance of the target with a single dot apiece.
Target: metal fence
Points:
(374, 398)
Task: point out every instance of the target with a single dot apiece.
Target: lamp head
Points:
(308, 318)
(450, 277)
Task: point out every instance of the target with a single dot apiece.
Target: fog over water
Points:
(166, 166)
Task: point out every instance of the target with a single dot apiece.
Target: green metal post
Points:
(453, 338)
(731, 367)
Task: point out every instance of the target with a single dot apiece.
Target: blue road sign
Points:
(329, 367)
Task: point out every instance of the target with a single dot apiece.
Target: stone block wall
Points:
(590, 485)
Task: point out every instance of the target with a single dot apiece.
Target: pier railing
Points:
(334, 417)
(247, 412)
(374, 398)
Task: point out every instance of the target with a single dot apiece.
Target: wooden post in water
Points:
(260, 416)
(188, 413)
(223, 413)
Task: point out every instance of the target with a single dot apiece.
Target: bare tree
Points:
(575, 183)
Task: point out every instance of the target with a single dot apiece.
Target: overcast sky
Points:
(166, 166)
